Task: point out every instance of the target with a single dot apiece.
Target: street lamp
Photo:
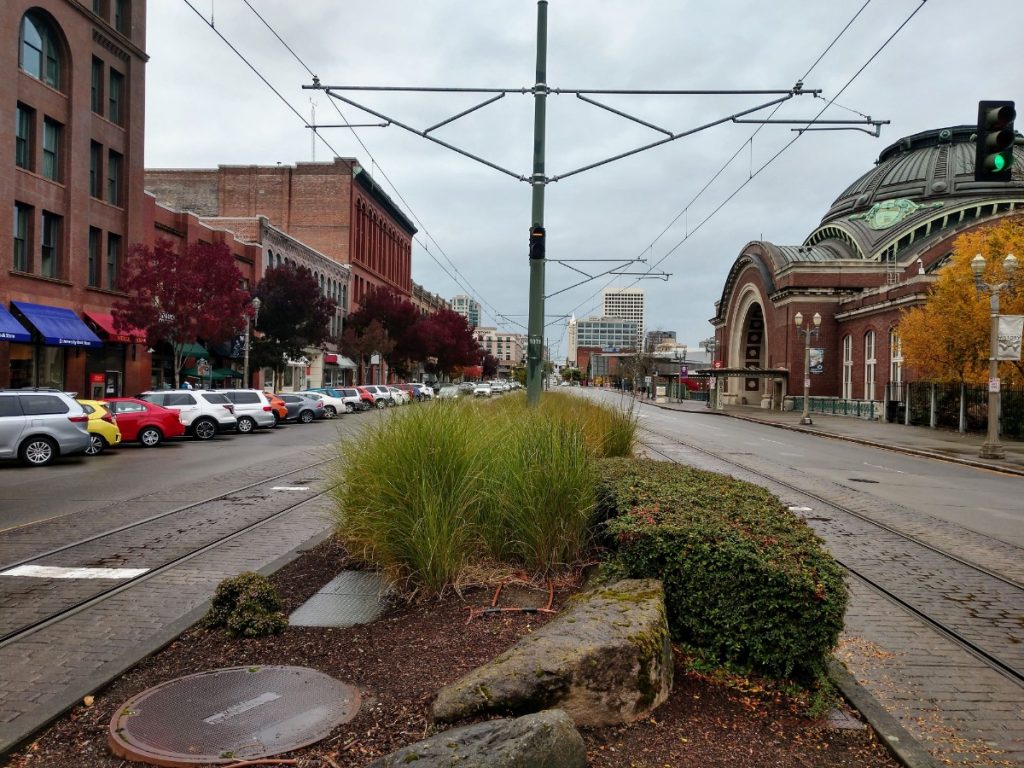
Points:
(255, 319)
(992, 448)
(810, 330)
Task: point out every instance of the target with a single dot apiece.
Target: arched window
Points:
(869, 365)
(847, 367)
(895, 365)
(39, 53)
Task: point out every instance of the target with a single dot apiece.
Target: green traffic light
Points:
(999, 162)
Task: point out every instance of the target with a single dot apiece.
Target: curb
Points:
(904, 747)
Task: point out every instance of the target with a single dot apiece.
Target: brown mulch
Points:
(400, 661)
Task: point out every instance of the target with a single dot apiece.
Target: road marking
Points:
(800, 509)
(887, 469)
(290, 488)
(773, 441)
(56, 572)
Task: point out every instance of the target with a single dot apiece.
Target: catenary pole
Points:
(535, 323)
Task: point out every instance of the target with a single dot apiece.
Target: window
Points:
(114, 98)
(895, 365)
(38, 54)
(869, 365)
(24, 123)
(95, 244)
(49, 262)
(113, 260)
(97, 85)
(847, 367)
(52, 131)
(99, 8)
(22, 217)
(121, 16)
(41, 405)
(113, 178)
(95, 170)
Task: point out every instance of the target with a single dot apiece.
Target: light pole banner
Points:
(1010, 328)
(817, 360)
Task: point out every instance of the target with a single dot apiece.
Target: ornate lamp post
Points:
(255, 319)
(992, 448)
(810, 330)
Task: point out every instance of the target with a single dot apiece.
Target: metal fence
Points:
(955, 407)
(837, 406)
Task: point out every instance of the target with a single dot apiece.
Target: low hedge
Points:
(745, 579)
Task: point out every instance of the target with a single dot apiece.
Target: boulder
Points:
(543, 740)
(606, 659)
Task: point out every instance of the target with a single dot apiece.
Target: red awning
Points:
(105, 323)
(329, 358)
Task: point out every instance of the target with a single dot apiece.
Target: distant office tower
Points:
(627, 303)
(570, 354)
(654, 338)
(610, 333)
(468, 308)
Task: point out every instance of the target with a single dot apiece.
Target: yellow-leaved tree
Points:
(947, 338)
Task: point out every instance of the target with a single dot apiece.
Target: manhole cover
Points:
(227, 715)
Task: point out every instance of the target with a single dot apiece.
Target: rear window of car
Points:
(9, 406)
(216, 399)
(349, 393)
(121, 407)
(178, 398)
(241, 397)
(40, 405)
(289, 398)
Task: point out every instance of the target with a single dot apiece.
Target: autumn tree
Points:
(361, 344)
(294, 316)
(947, 338)
(490, 365)
(400, 320)
(448, 338)
(180, 298)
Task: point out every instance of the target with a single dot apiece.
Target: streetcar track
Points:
(990, 659)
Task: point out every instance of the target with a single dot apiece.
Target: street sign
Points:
(718, 364)
(993, 385)
(683, 372)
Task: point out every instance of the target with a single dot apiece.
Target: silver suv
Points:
(252, 409)
(204, 413)
(38, 425)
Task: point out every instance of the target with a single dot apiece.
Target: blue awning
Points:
(10, 328)
(57, 325)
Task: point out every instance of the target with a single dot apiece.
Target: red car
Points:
(367, 397)
(148, 423)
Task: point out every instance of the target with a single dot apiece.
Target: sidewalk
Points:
(935, 443)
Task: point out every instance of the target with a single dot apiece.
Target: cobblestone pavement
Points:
(958, 707)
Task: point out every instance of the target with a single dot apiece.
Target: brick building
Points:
(334, 207)
(508, 348)
(874, 254)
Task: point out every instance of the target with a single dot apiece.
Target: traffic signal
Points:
(994, 154)
(537, 242)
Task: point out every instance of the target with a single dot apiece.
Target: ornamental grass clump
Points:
(745, 579)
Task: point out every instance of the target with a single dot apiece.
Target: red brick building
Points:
(72, 177)
(875, 254)
(335, 208)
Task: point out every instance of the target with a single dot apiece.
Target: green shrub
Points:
(744, 577)
(247, 606)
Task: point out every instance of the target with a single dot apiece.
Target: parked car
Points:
(400, 396)
(351, 397)
(147, 423)
(102, 426)
(38, 425)
(413, 391)
(301, 408)
(205, 413)
(426, 389)
(278, 408)
(333, 405)
(382, 397)
(448, 392)
(368, 398)
(483, 389)
(252, 409)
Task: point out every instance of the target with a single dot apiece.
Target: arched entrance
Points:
(747, 345)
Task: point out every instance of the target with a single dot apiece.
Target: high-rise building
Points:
(468, 308)
(607, 333)
(653, 338)
(626, 303)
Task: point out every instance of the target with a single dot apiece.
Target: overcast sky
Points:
(206, 107)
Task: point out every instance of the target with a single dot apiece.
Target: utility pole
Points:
(535, 323)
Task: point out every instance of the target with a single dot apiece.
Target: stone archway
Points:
(747, 345)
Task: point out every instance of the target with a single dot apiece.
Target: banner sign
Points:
(1010, 328)
(817, 362)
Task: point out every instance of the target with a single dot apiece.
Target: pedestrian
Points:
(188, 384)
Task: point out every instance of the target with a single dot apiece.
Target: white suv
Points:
(204, 413)
(252, 409)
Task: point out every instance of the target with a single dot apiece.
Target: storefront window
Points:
(51, 367)
(22, 365)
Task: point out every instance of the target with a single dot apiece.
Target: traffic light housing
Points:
(994, 154)
(537, 242)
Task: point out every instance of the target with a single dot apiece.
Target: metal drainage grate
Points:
(227, 715)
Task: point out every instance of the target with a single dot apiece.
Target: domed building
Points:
(874, 255)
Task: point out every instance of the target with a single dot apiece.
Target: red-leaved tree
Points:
(448, 337)
(180, 298)
(399, 319)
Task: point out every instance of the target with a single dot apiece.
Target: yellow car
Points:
(102, 427)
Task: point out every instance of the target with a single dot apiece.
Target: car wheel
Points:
(246, 425)
(38, 451)
(204, 429)
(349, 408)
(150, 437)
(381, 404)
(331, 411)
(96, 445)
(306, 417)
